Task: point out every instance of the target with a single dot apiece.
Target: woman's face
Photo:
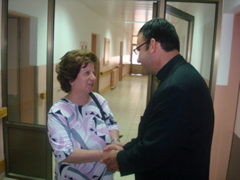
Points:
(84, 83)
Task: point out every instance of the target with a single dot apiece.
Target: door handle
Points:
(3, 112)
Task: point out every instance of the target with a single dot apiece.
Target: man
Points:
(175, 131)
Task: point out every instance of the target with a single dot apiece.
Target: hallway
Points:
(128, 102)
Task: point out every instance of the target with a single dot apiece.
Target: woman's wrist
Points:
(100, 154)
(115, 139)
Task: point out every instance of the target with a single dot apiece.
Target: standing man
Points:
(175, 132)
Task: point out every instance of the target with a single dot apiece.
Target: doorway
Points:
(21, 92)
(198, 33)
(26, 31)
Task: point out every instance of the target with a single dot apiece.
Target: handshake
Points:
(109, 154)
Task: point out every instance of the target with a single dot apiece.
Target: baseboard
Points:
(105, 89)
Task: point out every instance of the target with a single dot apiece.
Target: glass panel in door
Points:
(27, 53)
(183, 23)
(27, 151)
(202, 53)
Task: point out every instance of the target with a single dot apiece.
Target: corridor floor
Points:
(128, 102)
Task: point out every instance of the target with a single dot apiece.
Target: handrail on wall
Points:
(108, 71)
(3, 112)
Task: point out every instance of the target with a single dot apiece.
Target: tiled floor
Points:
(127, 103)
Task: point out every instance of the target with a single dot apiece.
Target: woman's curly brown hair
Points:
(71, 64)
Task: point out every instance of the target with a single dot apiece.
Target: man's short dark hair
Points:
(162, 31)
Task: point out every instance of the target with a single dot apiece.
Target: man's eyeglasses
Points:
(136, 50)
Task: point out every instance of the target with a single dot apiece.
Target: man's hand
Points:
(113, 147)
(111, 161)
(117, 143)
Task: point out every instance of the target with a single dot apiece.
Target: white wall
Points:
(74, 23)
(225, 49)
(231, 6)
(202, 36)
(38, 11)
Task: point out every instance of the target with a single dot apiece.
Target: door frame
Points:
(94, 39)
(40, 130)
(160, 11)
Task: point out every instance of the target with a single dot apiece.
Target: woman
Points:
(76, 129)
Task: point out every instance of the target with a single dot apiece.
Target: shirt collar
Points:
(170, 67)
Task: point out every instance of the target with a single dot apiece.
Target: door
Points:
(21, 90)
(198, 27)
(178, 18)
(26, 58)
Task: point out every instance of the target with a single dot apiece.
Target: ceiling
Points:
(122, 13)
(118, 12)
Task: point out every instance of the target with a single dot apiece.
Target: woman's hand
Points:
(113, 147)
